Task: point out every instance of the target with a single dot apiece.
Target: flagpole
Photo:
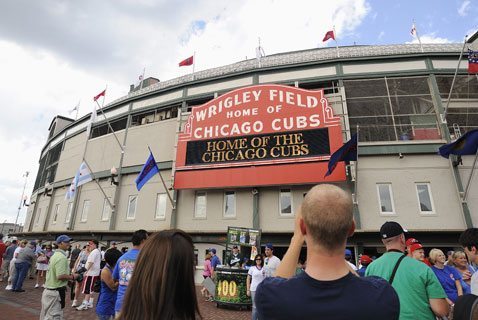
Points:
(142, 79)
(356, 171)
(336, 42)
(418, 37)
(470, 177)
(108, 123)
(101, 188)
(445, 112)
(194, 62)
(164, 184)
(77, 109)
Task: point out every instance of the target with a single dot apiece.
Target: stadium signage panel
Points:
(282, 129)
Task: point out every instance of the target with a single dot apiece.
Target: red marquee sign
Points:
(256, 136)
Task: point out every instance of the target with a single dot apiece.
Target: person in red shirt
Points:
(3, 248)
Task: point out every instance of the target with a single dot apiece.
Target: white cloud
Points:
(463, 9)
(430, 38)
(54, 53)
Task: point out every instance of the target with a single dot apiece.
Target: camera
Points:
(81, 271)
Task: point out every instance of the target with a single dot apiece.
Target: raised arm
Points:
(286, 268)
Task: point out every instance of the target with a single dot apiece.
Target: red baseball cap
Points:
(365, 259)
(411, 241)
(415, 246)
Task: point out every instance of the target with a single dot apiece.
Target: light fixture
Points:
(457, 162)
(400, 155)
(25, 204)
(114, 174)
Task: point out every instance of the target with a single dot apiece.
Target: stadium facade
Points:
(211, 136)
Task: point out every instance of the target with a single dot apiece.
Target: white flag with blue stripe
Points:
(84, 175)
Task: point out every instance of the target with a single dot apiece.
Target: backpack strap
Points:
(395, 268)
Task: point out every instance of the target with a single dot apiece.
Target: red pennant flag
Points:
(329, 35)
(102, 93)
(187, 62)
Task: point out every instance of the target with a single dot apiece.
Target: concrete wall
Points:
(70, 157)
(403, 174)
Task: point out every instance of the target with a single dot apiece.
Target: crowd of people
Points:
(155, 279)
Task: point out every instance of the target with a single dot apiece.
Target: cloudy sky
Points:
(56, 53)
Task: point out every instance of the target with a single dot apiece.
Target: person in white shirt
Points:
(92, 274)
(271, 262)
(255, 275)
(348, 257)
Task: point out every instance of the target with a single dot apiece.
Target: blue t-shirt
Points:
(303, 297)
(215, 261)
(123, 272)
(447, 277)
(106, 300)
(362, 270)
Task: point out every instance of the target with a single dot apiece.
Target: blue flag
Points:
(147, 172)
(467, 144)
(348, 152)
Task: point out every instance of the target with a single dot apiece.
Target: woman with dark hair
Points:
(255, 275)
(105, 308)
(162, 285)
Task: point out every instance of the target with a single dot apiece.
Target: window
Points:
(389, 109)
(161, 206)
(229, 204)
(285, 202)
(68, 212)
(38, 217)
(424, 197)
(55, 214)
(84, 213)
(132, 201)
(385, 197)
(105, 215)
(200, 205)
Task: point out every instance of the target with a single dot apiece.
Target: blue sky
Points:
(55, 53)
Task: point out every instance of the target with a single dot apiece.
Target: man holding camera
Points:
(53, 297)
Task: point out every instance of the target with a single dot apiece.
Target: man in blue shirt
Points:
(327, 289)
(125, 266)
(215, 261)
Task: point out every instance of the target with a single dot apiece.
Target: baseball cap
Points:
(234, 246)
(348, 252)
(63, 238)
(415, 246)
(113, 243)
(213, 250)
(270, 246)
(33, 243)
(411, 241)
(391, 229)
(365, 259)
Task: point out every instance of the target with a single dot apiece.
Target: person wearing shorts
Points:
(92, 274)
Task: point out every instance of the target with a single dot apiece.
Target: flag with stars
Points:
(472, 61)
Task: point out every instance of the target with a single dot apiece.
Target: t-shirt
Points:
(353, 266)
(270, 265)
(447, 277)
(3, 248)
(58, 266)
(474, 283)
(9, 252)
(215, 261)
(415, 283)
(257, 275)
(361, 271)
(95, 258)
(123, 272)
(349, 297)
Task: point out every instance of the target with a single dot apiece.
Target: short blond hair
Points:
(328, 215)
(434, 253)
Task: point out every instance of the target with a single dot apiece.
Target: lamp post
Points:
(21, 199)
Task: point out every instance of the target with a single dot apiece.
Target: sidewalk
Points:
(27, 305)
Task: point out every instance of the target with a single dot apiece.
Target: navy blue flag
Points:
(147, 172)
(467, 144)
(348, 152)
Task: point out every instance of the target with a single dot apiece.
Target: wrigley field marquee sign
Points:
(259, 135)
